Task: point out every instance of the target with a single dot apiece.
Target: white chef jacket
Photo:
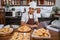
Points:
(38, 15)
(26, 16)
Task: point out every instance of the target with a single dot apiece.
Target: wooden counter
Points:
(54, 36)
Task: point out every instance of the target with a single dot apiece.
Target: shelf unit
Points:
(46, 2)
(11, 2)
(2, 16)
(26, 2)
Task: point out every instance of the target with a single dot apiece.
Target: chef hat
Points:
(33, 4)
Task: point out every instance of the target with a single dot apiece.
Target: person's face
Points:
(38, 10)
(31, 10)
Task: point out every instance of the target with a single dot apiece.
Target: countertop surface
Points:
(54, 35)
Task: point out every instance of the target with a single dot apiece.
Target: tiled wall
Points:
(57, 3)
(46, 11)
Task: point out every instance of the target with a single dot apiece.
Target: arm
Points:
(23, 20)
(22, 23)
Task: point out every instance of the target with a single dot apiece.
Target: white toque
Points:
(33, 4)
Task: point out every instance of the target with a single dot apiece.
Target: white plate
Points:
(1, 26)
(15, 26)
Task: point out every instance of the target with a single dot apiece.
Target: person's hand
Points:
(34, 26)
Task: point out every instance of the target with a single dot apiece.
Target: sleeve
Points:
(23, 18)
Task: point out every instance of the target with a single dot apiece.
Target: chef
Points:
(30, 18)
(38, 12)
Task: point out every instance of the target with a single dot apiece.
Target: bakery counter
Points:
(54, 35)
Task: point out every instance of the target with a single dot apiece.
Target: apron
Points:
(30, 20)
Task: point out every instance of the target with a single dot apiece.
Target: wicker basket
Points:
(7, 33)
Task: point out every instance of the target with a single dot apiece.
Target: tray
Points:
(41, 37)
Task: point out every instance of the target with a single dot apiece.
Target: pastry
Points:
(27, 36)
(14, 36)
(46, 35)
(4, 30)
(20, 36)
(24, 28)
(41, 33)
(17, 36)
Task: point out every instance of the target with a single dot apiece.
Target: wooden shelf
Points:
(11, 2)
(26, 2)
(2, 19)
(46, 2)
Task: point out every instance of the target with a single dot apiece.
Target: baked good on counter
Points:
(6, 30)
(26, 36)
(20, 36)
(24, 28)
(14, 37)
(41, 33)
(17, 36)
